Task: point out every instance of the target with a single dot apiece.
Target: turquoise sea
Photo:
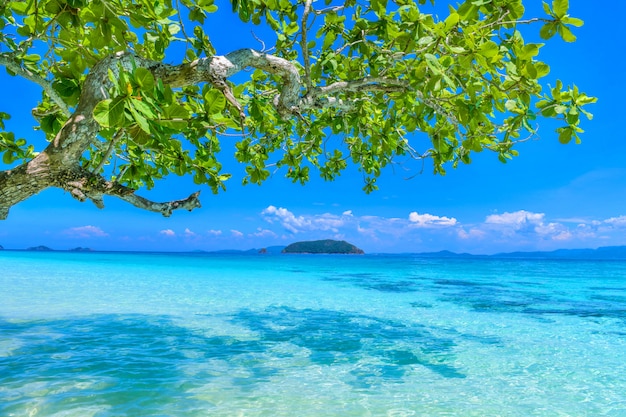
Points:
(120, 334)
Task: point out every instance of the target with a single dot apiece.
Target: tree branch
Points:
(166, 208)
(59, 164)
(84, 185)
(364, 84)
(304, 45)
(13, 66)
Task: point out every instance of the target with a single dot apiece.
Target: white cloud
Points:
(473, 233)
(517, 219)
(189, 233)
(286, 218)
(618, 222)
(515, 230)
(264, 233)
(527, 224)
(429, 220)
(298, 224)
(167, 232)
(215, 232)
(85, 232)
(565, 235)
(554, 231)
(236, 233)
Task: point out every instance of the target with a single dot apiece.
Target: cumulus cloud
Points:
(521, 229)
(214, 232)
(189, 233)
(554, 231)
(167, 232)
(236, 233)
(618, 222)
(298, 224)
(264, 233)
(85, 232)
(429, 220)
(527, 224)
(517, 219)
(472, 233)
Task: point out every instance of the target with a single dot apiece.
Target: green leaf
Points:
(542, 69)
(379, 6)
(548, 30)
(110, 112)
(32, 57)
(50, 124)
(21, 7)
(143, 108)
(8, 158)
(566, 33)
(516, 10)
(433, 63)
(66, 87)
(531, 71)
(451, 21)
(489, 49)
(572, 21)
(139, 119)
(175, 117)
(529, 51)
(511, 105)
(173, 29)
(214, 101)
(560, 7)
(565, 134)
(144, 78)
(457, 49)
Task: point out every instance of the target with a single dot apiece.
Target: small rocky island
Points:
(40, 248)
(327, 246)
(81, 249)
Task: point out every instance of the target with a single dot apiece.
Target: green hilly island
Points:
(327, 246)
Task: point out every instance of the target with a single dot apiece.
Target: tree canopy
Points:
(343, 82)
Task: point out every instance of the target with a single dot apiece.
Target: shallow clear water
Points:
(111, 334)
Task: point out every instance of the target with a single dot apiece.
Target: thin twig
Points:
(328, 10)
(182, 25)
(25, 73)
(305, 47)
(118, 135)
(264, 50)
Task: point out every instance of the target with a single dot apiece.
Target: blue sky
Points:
(552, 196)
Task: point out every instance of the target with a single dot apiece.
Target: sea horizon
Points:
(613, 252)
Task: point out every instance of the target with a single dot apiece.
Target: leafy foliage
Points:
(471, 83)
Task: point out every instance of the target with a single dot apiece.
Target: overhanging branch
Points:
(166, 208)
(14, 67)
(84, 185)
(59, 164)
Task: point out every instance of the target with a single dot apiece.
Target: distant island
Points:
(327, 246)
(81, 249)
(601, 253)
(40, 248)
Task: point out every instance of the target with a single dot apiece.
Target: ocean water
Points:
(118, 334)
